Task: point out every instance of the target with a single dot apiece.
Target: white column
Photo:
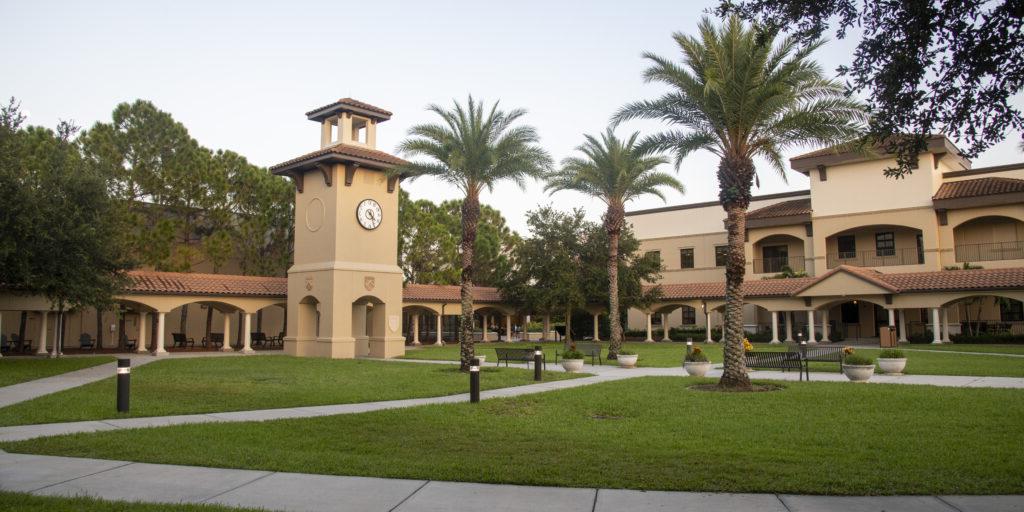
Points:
(789, 326)
(158, 343)
(650, 329)
(775, 327)
(664, 328)
(892, 318)
(508, 327)
(810, 327)
(416, 329)
(945, 326)
(140, 344)
(824, 326)
(42, 336)
(440, 323)
(483, 336)
(903, 326)
(597, 324)
(936, 327)
(707, 327)
(247, 334)
(547, 328)
(226, 347)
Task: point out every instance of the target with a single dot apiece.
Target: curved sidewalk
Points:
(159, 483)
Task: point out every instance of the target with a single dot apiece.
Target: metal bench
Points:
(518, 354)
(180, 340)
(778, 361)
(592, 350)
(817, 353)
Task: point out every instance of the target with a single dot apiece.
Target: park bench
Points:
(126, 342)
(818, 353)
(85, 341)
(592, 350)
(258, 339)
(215, 340)
(524, 355)
(181, 340)
(778, 361)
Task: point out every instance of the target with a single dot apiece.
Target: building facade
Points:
(943, 215)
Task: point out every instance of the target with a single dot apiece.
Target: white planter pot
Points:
(858, 372)
(892, 366)
(572, 365)
(697, 369)
(627, 361)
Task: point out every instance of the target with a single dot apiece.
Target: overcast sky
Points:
(240, 75)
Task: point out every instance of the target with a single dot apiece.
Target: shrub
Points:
(925, 337)
(696, 356)
(572, 354)
(985, 338)
(627, 353)
(760, 337)
(858, 359)
(891, 353)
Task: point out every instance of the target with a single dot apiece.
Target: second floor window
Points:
(847, 246)
(885, 244)
(686, 258)
(721, 255)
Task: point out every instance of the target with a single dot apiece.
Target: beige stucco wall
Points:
(861, 187)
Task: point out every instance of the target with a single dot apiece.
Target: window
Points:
(920, 249)
(1011, 310)
(689, 315)
(721, 255)
(885, 244)
(654, 255)
(686, 258)
(774, 258)
(847, 247)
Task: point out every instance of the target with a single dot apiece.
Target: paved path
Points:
(601, 374)
(131, 481)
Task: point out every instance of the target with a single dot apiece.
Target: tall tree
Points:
(261, 209)
(741, 96)
(427, 251)
(949, 66)
(473, 149)
(614, 171)
(59, 237)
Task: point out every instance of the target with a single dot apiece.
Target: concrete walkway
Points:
(130, 481)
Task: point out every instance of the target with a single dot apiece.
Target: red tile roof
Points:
(716, 290)
(978, 187)
(958, 280)
(346, 150)
(783, 209)
(351, 103)
(448, 293)
(177, 283)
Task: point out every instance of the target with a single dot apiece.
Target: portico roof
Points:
(150, 282)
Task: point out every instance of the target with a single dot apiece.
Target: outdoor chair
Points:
(126, 342)
(86, 341)
(4, 344)
(215, 340)
(258, 339)
(181, 340)
(19, 344)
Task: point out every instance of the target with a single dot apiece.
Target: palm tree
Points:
(614, 171)
(740, 96)
(473, 149)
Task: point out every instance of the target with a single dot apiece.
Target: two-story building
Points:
(899, 238)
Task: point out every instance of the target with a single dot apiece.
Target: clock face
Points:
(369, 213)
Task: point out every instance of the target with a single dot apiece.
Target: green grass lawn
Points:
(23, 502)
(23, 369)
(968, 347)
(645, 433)
(665, 355)
(218, 384)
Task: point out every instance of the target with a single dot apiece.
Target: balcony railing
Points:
(775, 265)
(990, 252)
(875, 258)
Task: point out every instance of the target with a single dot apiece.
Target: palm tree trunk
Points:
(613, 225)
(735, 177)
(470, 218)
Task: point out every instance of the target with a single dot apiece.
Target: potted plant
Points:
(627, 359)
(572, 360)
(892, 361)
(856, 367)
(696, 363)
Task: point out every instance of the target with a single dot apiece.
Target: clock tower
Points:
(345, 286)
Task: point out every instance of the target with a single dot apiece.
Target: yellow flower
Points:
(747, 346)
(847, 350)
(696, 350)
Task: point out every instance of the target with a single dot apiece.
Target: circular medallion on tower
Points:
(369, 213)
(314, 214)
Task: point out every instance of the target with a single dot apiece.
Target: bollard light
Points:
(689, 346)
(474, 380)
(124, 379)
(538, 360)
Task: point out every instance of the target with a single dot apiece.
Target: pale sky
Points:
(240, 75)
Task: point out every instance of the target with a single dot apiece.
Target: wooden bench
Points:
(778, 361)
(592, 350)
(518, 354)
(817, 353)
